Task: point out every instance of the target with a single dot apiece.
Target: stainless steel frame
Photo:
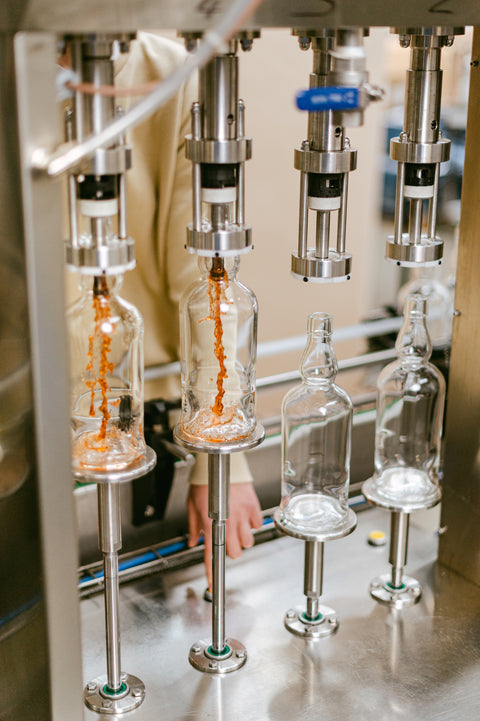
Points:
(53, 639)
(90, 15)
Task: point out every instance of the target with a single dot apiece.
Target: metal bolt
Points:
(213, 664)
(449, 41)
(246, 44)
(332, 620)
(190, 44)
(240, 654)
(107, 703)
(290, 614)
(304, 43)
(137, 692)
(305, 145)
(91, 686)
(404, 41)
(403, 137)
(123, 676)
(196, 649)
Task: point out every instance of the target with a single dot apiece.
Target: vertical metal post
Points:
(398, 222)
(313, 577)
(110, 542)
(303, 212)
(342, 217)
(218, 510)
(433, 205)
(398, 545)
(196, 170)
(322, 232)
(240, 206)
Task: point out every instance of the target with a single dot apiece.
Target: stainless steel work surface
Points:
(420, 664)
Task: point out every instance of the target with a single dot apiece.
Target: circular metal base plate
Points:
(198, 446)
(348, 526)
(410, 255)
(335, 268)
(407, 595)
(117, 257)
(370, 492)
(97, 697)
(140, 468)
(203, 659)
(324, 625)
(217, 243)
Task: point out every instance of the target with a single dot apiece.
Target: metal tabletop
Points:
(420, 664)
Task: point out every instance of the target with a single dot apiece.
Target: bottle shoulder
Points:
(401, 374)
(316, 395)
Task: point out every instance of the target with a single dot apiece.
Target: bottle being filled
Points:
(106, 352)
(316, 441)
(410, 402)
(218, 317)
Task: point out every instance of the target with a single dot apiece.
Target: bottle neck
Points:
(413, 343)
(319, 364)
(219, 268)
(100, 285)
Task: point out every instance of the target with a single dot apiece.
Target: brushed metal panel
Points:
(41, 199)
(460, 544)
(23, 637)
(116, 15)
(421, 665)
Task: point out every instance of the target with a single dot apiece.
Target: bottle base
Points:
(402, 489)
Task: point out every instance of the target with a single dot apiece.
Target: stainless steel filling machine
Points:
(423, 664)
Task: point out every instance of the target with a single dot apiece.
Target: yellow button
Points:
(377, 538)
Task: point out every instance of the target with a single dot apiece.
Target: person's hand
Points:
(245, 514)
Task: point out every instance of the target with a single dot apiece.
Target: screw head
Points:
(91, 686)
(290, 614)
(107, 703)
(137, 692)
(246, 44)
(332, 620)
(196, 649)
(213, 664)
(304, 43)
(240, 654)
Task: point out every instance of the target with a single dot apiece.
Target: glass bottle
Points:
(316, 441)
(218, 335)
(106, 358)
(410, 401)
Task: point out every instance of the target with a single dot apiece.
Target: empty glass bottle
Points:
(316, 440)
(218, 334)
(410, 401)
(106, 357)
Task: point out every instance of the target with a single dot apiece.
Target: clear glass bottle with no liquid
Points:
(106, 358)
(218, 334)
(410, 402)
(316, 440)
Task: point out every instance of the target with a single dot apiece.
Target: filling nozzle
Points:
(419, 149)
(338, 94)
(218, 150)
(99, 243)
